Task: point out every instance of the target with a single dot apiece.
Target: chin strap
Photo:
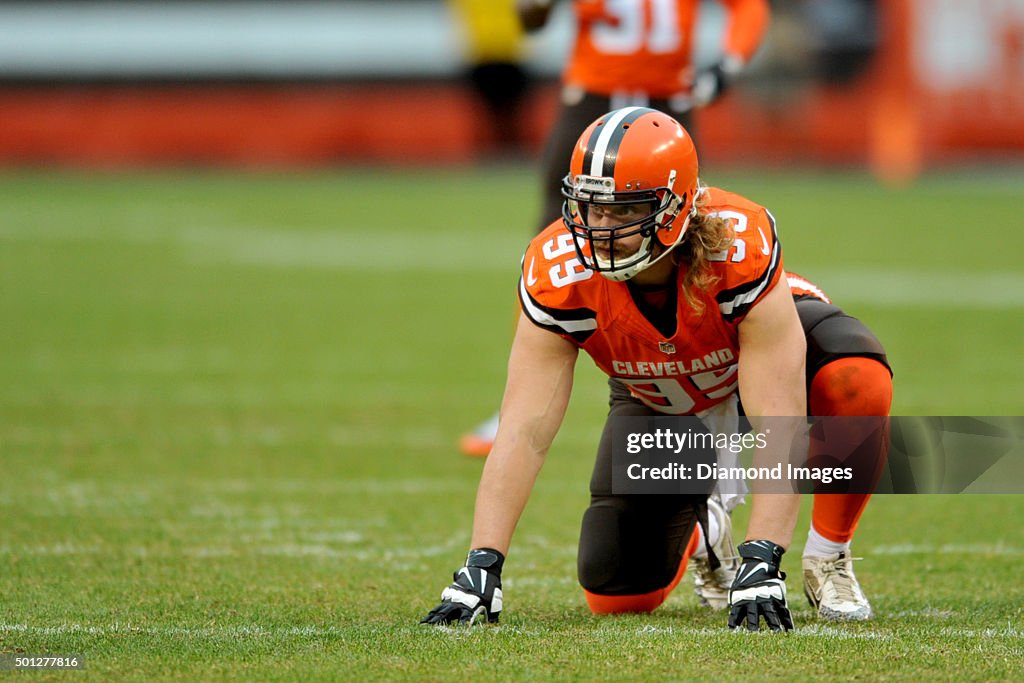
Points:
(669, 248)
(686, 225)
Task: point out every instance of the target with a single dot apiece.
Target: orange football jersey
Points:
(688, 372)
(801, 286)
(646, 46)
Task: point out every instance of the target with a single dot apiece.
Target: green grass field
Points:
(229, 403)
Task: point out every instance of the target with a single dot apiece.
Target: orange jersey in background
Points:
(646, 46)
(688, 372)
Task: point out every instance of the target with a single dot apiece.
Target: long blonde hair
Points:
(705, 235)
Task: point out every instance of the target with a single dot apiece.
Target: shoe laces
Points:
(845, 588)
(702, 569)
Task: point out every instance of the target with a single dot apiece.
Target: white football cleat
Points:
(712, 587)
(832, 588)
(478, 443)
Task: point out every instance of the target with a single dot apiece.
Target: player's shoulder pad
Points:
(752, 265)
(556, 291)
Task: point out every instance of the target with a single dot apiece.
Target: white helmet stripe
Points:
(604, 138)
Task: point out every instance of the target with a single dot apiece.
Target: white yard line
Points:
(383, 251)
(947, 549)
(118, 628)
(922, 288)
(334, 546)
(253, 631)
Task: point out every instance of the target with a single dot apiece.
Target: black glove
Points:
(476, 591)
(710, 83)
(759, 589)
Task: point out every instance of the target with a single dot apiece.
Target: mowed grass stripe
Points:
(391, 249)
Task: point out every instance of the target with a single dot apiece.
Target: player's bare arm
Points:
(771, 379)
(540, 372)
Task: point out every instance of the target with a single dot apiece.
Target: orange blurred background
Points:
(942, 85)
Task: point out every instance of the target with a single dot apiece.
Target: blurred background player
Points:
(637, 53)
(494, 47)
(629, 53)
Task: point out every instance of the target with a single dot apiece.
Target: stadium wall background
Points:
(299, 83)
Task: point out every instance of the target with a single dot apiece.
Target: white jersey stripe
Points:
(727, 307)
(543, 318)
(797, 281)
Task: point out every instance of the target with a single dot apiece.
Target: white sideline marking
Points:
(444, 252)
(242, 546)
(376, 250)
(56, 549)
(406, 438)
(328, 486)
(256, 632)
(335, 536)
(928, 613)
(1008, 632)
(383, 251)
(922, 288)
(118, 628)
(538, 581)
(947, 549)
(836, 633)
(823, 631)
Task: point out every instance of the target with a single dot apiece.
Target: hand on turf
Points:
(475, 593)
(759, 589)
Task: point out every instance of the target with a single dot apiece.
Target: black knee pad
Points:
(630, 545)
(600, 554)
(832, 334)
